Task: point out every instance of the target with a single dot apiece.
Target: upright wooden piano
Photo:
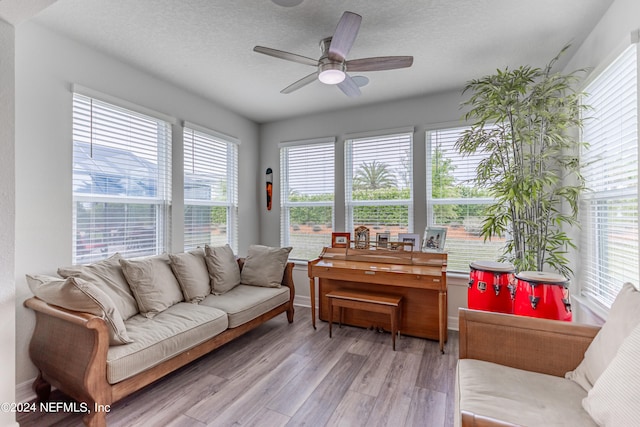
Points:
(419, 277)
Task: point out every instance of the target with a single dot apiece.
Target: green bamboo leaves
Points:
(527, 122)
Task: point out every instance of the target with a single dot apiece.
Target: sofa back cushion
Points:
(613, 400)
(224, 271)
(153, 283)
(107, 275)
(623, 317)
(77, 294)
(191, 271)
(264, 266)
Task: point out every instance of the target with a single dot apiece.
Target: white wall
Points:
(46, 67)
(422, 113)
(7, 218)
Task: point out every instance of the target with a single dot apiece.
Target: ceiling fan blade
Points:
(286, 55)
(379, 63)
(344, 36)
(300, 83)
(349, 87)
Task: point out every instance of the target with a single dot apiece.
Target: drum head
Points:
(541, 277)
(498, 267)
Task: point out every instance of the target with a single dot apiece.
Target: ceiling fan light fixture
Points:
(331, 73)
(332, 77)
(287, 3)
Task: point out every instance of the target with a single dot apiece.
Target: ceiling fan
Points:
(332, 67)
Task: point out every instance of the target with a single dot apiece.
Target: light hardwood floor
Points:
(288, 374)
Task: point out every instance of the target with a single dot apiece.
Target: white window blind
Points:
(307, 194)
(210, 189)
(609, 210)
(378, 184)
(454, 202)
(121, 181)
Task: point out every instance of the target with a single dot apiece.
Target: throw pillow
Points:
(264, 266)
(623, 317)
(153, 284)
(613, 400)
(191, 271)
(76, 294)
(224, 271)
(107, 275)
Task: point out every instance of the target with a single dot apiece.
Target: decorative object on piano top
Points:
(382, 239)
(434, 238)
(411, 241)
(361, 237)
(340, 240)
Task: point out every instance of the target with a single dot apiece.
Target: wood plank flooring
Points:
(290, 375)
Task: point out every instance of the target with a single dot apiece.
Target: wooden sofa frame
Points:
(69, 349)
(546, 346)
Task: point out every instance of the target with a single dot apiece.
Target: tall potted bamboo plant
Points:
(526, 121)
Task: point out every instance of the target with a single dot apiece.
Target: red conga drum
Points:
(544, 295)
(491, 286)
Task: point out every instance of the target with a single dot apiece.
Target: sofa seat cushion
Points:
(167, 334)
(519, 397)
(244, 303)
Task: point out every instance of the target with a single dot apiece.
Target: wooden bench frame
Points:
(378, 303)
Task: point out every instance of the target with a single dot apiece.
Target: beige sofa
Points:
(515, 370)
(106, 330)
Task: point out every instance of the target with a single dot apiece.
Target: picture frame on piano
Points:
(382, 239)
(434, 238)
(340, 240)
(412, 238)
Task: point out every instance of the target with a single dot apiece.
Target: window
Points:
(210, 188)
(307, 194)
(379, 191)
(121, 186)
(609, 210)
(454, 202)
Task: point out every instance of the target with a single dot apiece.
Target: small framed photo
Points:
(382, 239)
(434, 238)
(414, 239)
(361, 237)
(340, 240)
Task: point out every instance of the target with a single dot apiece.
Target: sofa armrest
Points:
(70, 350)
(539, 345)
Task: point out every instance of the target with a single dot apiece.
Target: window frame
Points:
(286, 205)
(375, 137)
(231, 204)
(432, 202)
(599, 283)
(89, 107)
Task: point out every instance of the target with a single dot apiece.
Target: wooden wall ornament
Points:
(269, 188)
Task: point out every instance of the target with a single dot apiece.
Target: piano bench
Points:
(378, 303)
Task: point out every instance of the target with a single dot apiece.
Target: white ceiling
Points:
(205, 46)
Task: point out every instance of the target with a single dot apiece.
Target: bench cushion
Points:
(169, 333)
(519, 397)
(244, 303)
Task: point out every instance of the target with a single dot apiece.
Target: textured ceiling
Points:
(205, 46)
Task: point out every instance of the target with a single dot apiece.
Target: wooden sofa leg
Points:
(41, 388)
(95, 419)
(290, 312)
